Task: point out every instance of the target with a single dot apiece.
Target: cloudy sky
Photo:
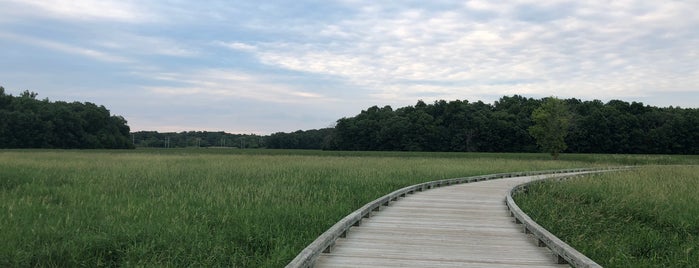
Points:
(268, 66)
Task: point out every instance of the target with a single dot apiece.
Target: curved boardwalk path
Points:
(465, 225)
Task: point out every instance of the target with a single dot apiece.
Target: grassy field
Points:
(648, 217)
(207, 207)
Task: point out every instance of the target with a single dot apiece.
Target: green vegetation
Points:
(647, 217)
(309, 139)
(551, 123)
(210, 207)
(454, 126)
(186, 139)
(616, 127)
(26, 122)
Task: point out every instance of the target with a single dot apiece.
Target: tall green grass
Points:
(205, 207)
(648, 217)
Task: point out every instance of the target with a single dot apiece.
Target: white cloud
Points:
(362, 52)
(135, 44)
(64, 47)
(588, 49)
(237, 46)
(84, 9)
(230, 84)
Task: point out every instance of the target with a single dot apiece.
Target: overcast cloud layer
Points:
(253, 67)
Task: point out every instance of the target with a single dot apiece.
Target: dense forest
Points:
(26, 122)
(197, 139)
(309, 139)
(595, 127)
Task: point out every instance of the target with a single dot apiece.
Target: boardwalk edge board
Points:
(326, 241)
(564, 252)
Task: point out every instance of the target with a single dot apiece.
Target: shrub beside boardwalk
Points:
(209, 207)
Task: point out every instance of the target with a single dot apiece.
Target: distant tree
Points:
(196, 139)
(551, 122)
(309, 139)
(29, 94)
(513, 115)
(588, 127)
(26, 122)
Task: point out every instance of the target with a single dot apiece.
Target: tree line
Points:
(592, 127)
(507, 125)
(26, 122)
(309, 139)
(197, 139)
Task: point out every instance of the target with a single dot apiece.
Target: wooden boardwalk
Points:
(465, 225)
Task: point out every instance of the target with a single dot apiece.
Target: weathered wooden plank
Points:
(385, 262)
(325, 242)
(455, 226)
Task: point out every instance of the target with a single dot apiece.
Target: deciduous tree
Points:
(550, 128)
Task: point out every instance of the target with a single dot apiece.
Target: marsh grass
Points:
(233, 208)
(648, 217)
